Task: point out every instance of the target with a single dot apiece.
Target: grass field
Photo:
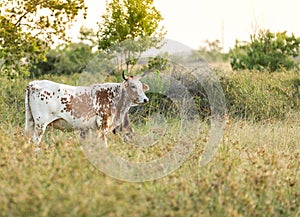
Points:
(256, 172)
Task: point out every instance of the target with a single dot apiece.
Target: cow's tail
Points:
(28, 114)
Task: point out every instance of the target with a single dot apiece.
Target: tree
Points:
(129, 28)
(266, 51)
(212, 51)
(29, 27)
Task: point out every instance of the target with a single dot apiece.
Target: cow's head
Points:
(135, 89)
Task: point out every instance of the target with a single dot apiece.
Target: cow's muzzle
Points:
(141, 102)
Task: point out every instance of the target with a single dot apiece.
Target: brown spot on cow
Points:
(104, 100)
(104, 96)
(46, 93)
(80, 106)
(68, 104)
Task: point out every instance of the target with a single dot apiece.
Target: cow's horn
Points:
(123, 75)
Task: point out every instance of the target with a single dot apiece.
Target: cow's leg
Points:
(29, 130)
(126, 125)
(125, 128)
(103, 124)
(29, 125)
(90, 136)
(29, 121)
(83, 133)
(103, 136)
(39, 130)
(104, 139)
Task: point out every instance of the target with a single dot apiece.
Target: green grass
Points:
(262, 96)
(256, 172)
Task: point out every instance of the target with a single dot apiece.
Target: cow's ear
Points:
(145, 87)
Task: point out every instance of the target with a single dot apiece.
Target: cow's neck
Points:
(123, 103)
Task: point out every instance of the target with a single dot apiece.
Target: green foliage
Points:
(256, 96)
(212, 52)
(73, 58)
(28, 28)
(128, 19)
(46, 66)
(159, 101)
(88, 36)
(157, 63)
(12, 101)
(129, 28)
(69, 59)
(266, 51)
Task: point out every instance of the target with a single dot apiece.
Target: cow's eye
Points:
(133, 87)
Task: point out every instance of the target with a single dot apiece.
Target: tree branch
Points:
(27, 12)
(18, 23)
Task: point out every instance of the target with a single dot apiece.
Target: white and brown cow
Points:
(100, 107)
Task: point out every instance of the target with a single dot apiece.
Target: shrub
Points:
(12, 101)
(70, 59)
(257, 96)
(266, 51)
(249, 95)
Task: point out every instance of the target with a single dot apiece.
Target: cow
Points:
(100, 107)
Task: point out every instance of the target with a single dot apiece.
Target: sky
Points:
(191, 22)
